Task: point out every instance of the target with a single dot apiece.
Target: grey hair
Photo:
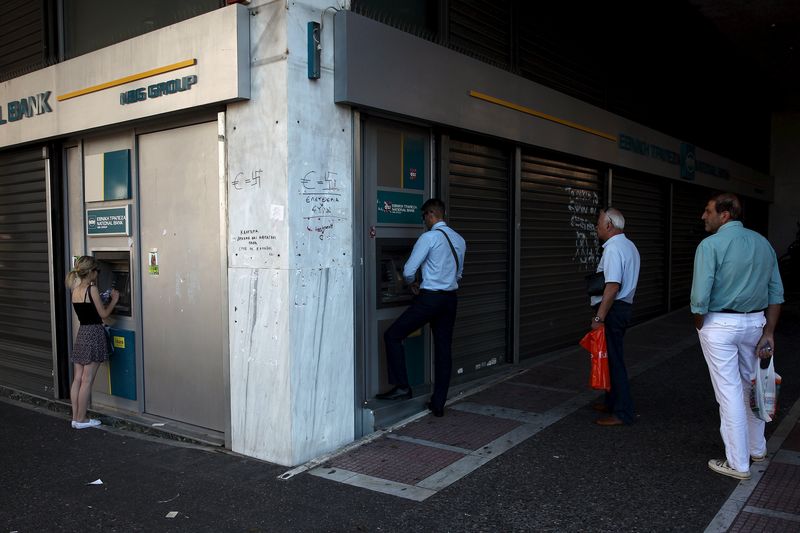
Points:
(615, 217)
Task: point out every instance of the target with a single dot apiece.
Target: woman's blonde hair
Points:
(83, 267)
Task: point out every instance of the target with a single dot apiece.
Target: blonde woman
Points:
(91, 346)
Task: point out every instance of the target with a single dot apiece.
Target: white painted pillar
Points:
(289, 247)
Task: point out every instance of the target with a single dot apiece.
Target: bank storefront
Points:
(116, 154)
(254, 217)
(212, 180)
(524, 171)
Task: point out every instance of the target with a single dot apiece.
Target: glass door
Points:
(397, 178)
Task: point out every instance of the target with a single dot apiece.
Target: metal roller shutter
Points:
(26, 356)
(559, 247)
(481, 29)
(688, 202)
(22, 37)
(645, 206)
(478, 195)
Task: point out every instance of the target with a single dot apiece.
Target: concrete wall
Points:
(785, 167)
(290, 246)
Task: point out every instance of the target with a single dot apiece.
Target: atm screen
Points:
(120, 280)
(115, 273)
(392, 290)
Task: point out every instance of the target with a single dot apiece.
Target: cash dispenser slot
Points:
(115, 273)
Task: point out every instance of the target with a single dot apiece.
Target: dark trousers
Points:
(439, 310)
(618, 399)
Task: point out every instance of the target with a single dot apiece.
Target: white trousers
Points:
(729, 346)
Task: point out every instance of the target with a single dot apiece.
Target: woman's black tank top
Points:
(86, 311)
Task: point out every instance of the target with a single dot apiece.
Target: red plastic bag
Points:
(595, 343)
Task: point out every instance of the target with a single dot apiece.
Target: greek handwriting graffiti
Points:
(586, 246)
(253, 240)
(583, 208)
(322, 196)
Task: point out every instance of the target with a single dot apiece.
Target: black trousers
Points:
(439, 310)
(618, 399)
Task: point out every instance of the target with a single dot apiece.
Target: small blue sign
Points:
(687, 161)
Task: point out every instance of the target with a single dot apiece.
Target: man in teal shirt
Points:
(736, 300)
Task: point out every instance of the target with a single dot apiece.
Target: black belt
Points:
(436, 291)
(734, 311)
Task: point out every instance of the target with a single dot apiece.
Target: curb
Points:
(62, 409)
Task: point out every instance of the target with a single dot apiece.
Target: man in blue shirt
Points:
(620, 266)
(735, 281)
(440, 252)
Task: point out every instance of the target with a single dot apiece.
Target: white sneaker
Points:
(722, 467)
(92, 423)
(758, 458)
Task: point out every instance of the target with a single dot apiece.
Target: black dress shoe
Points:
(437, 411)
(397, 393)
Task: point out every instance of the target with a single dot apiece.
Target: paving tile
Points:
(664, 335)
(554, 376)
(750, 522)
(395, 460)
(457, 428)
(779, 489)
(792, 441)
(521, 397)
(576, 361)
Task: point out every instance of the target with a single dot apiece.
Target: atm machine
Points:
(397, 174)
(115, 273)
(118, 378)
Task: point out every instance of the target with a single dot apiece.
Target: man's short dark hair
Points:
(727, 201)
(436, 205)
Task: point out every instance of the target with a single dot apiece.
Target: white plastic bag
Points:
(764, 395)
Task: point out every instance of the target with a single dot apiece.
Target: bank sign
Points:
(686, 159)
(108, 221)
(133, 79)
(157, 90)
(26, 107)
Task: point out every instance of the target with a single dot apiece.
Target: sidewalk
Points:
(421, 456)
(521, 454)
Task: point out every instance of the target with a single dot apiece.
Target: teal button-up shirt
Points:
(735, 269)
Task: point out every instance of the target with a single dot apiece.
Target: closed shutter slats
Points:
(22, 43)
(688, 203)
(558, 249)
(644, 204)
(479, 210)
(26, 360)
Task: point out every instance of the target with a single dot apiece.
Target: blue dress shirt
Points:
(433, 254)
(620, 263)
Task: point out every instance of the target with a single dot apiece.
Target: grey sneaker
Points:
(722, 467)
(758, 458)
